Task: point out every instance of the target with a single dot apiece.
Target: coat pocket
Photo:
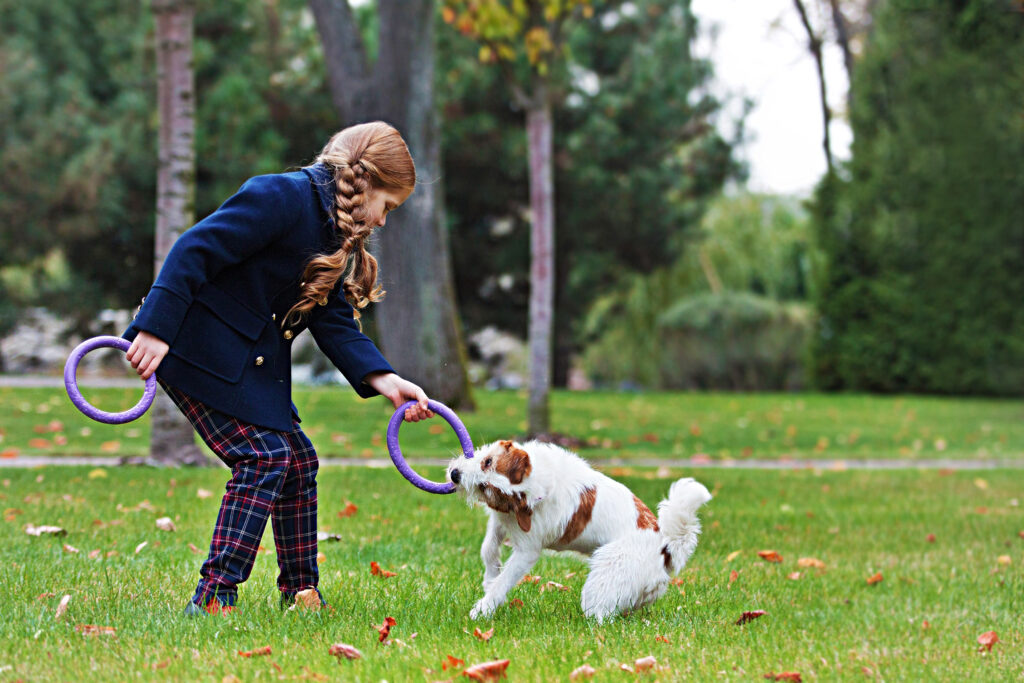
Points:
(218, 334)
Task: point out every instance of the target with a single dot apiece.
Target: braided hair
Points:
(362, 157)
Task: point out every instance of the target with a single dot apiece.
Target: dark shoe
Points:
(214, 606)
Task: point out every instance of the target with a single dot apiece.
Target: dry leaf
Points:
(70, 548)
(733, 575)
(255, 653)
(165, 524)
(340, 650)
(645, 664)
(385, 629)
(91, 630)
(750, 616)
(193, 548)
(488, 671)
(516, 602)
(377, 571)
(733, 555)
(792, 676)
(98, 473)
(1004, 560)
(930, 538)
(452, 663)
(483, 635)
(530, 578)
(585, 671)
(874, 578)
(38, 443)
(349, 510)
(62, 607)
(987, 640)
(794, 576)
(769, 556)
(551, 585)
(40, 530)
(307, 599)
(110, 446)
(320, 558)
(925, 625)
(203, 494)
(806, 562)
(661, 639)
(44, 596)
(140, 546)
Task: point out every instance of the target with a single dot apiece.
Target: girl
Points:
(285, 253)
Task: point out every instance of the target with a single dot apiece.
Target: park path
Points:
(379, 463)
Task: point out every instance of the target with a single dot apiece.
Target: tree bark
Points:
(418, 324)
(172, 438)
(542, 283)
(842, 27)
(814, 44)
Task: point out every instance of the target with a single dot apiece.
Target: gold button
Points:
(273, 316)
(323, 302)
(259, 360)
(287, 334)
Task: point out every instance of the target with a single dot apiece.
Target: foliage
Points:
(922, 240)
(920, 623)
(728, 314)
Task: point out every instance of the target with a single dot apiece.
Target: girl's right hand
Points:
(146, 352)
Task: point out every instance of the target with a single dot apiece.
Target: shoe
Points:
(214, 606)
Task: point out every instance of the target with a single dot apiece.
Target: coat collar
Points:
(323, 181)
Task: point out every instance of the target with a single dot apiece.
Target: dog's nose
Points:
(456, 475)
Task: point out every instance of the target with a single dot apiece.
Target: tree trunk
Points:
(542, 281)
(418, 325)
(172, 440)
(814, 44)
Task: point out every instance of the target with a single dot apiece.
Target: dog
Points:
(541, 496)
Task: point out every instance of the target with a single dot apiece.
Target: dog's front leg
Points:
(519, 563)
(490, 551)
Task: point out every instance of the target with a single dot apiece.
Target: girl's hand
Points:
(398, 391)
(146, 352)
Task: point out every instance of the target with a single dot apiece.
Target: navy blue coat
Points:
(227, 284)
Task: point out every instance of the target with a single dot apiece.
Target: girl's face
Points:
(381, 201)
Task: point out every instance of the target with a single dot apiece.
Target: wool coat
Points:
(225, 287)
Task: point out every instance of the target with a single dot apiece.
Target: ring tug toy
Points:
(71, 384)
(396, 453)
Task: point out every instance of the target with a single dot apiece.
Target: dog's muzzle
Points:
(455, 475)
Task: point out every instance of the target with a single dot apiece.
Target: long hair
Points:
(365, 156)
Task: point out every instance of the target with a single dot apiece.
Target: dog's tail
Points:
(677, 519)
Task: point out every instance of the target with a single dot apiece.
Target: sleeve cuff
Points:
(162, 313)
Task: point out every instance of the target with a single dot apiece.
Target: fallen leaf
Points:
(165, 524)
(733, 555)
(452, 663)
(644, 664)
(516, 602)
(806, 562)
(747, 617)
(874, 578)
(930, 538)
(9, 453)
(91, 630)
(140, 546)
(308, 599)
(349, 510)
(784, 676)
(321, 558)
(203, 494)
(340, 650)
(95, 554)
(488, 671)
(551, 585)
(44, 596)
(385, 629)
(530, 578)
(925, 625)
(40, 530)
(377, 571)
(979, 482)
(38, 443)
(794, 576)
(483, 635)
(1004, 560)
(733, 575)
(193, 548)
(62, 607)
(110, 446)
(70, 548)
(987, 640)
(769, 556)
(255, 653)
(661, 639)
(585, 671)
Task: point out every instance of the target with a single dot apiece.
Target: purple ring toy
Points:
(396, 453)
(71, 368)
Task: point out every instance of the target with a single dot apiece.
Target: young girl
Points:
(286, 252)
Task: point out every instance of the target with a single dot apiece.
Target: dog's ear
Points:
(514, 463)
(524, 513)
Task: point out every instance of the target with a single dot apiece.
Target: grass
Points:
(828, 624)
(627, 427)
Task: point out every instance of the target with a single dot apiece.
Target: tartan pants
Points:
(273, 474)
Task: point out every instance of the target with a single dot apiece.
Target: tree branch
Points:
(814, 45)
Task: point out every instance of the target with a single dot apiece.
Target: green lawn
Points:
(828, 623)
(626, 426)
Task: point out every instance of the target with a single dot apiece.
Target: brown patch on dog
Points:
(510, 504)
(645, 519)
(514, 463)
(580, 519)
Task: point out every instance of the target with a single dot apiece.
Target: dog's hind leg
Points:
(625, 575)
(490, 551)
(519, 563)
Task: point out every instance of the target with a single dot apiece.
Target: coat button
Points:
(259, 360)
(273, 316)
(287, 334)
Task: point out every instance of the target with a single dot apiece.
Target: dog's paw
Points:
(482, 609)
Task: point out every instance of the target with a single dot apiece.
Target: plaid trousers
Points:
(273, 474)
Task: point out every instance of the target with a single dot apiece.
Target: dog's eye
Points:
(487, 463)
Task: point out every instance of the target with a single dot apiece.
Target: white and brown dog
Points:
(541, 496)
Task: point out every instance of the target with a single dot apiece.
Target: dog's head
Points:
(497, 476)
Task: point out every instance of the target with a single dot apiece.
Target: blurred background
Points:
(745, 195)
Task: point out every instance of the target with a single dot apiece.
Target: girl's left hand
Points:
(398, 391)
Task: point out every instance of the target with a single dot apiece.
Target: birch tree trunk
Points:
(542, 261)
(173, 440)
(418, 325)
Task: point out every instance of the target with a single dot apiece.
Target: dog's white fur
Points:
(541, 496)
